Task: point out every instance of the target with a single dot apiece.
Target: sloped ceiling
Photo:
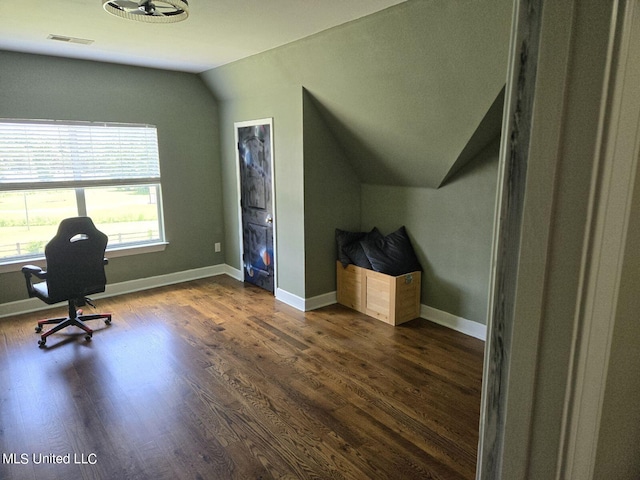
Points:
(217, 31)
(404, 91)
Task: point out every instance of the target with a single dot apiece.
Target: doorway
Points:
(254, 161)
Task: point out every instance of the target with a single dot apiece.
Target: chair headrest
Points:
(75, 226)
(74, 232)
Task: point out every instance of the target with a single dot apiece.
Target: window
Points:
(51, 170)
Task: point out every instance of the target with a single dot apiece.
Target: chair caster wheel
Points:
(38, 329)
(87, 337)
(42, 343)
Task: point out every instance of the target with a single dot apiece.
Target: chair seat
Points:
(41, 289)
(42, 292)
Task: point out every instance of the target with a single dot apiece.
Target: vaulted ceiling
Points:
(217, 31)
(411, 93)
(409, 89)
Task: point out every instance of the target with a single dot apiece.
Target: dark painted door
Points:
(254, 153)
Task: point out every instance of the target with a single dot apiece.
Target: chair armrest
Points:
(33, 270)
(28, 271)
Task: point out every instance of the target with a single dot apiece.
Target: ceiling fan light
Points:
(137, 11)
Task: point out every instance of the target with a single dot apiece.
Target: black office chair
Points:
(75, 269)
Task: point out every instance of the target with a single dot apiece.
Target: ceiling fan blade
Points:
(126, 4)
(156, 8)
(139, 12)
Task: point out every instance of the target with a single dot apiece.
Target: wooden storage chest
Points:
(394, 300)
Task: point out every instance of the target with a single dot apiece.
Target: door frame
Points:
(602, 249)
(618, 160)
(236, 126)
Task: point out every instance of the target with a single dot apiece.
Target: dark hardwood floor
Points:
(213, 379)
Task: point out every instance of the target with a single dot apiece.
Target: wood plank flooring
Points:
(213, 379)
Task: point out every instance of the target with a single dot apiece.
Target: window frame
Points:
(79, 186)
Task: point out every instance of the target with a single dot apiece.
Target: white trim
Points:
(506, 418)
(16, 265)
(306, 304)
(34, 304)
(290, 299)
(487, 429)
(320, 301)
(237, 125)
(22, 306)
(468, 327)
(603, 263)
(161, 280)
(136, 250)
(459, 324)
(233, 272)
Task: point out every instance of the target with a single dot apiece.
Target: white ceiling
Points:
(217, 31)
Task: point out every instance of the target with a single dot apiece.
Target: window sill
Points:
(16, 265)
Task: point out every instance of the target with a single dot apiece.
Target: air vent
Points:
(62, 38)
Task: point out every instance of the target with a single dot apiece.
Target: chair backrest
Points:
(75, 260)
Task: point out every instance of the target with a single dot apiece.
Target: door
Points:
(256, 201)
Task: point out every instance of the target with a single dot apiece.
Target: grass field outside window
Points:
(29, 219)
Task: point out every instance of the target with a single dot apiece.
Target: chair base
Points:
(76, 320)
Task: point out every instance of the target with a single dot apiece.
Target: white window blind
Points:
(43, 154)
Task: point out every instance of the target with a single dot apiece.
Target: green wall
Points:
(450, 229)
(352, 108)
(389, 99)
(402, 88)
(284, 106)
(332, 198)
(185, 113)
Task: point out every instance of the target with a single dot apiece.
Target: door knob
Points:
(269, 219)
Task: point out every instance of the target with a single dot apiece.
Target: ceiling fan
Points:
(150, 11)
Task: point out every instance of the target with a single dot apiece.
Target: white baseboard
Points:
(440, 317)
(22, 306)
(161, 280)
(233, 272)
(130, 286)
(459, 324)
(320, 301)
(306, 304)
(290, 299)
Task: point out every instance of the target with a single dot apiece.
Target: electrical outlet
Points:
(217, 246)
